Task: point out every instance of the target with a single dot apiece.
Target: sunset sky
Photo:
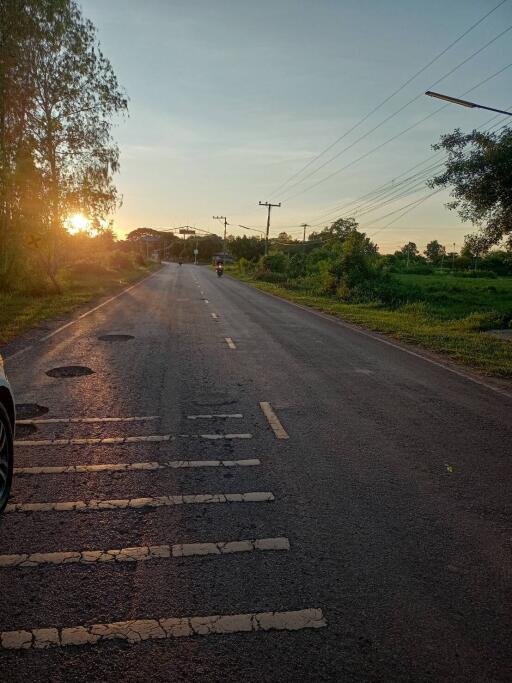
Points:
(229, 98)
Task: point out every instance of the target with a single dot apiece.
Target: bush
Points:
(477, 274)
(269, 276)
(120, 260)
(243, 265)
(140, 259)
(277, 262)
(87, 268)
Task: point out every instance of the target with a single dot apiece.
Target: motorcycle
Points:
(220, 270)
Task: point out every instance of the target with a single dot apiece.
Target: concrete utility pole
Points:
(304, 225)
(222, 218)
(268, 221)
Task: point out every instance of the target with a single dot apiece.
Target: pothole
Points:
(70, 371)
(116, 337)
(25, 430)
(25, 411)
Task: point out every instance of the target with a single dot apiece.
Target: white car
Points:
(7, 424)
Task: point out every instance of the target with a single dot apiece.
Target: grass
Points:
(449, 320)
(20, 312)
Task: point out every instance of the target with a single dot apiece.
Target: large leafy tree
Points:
(339, 230)
(62, 94)
(479, 173)
(435, 251)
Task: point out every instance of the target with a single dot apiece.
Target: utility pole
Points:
(453, 257)
(304, 225)
(222, 218)
(268, 221)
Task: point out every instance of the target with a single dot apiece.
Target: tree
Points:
(435, 252)
(140, 233)
(250, 248)
(410, 250)
(338, 230)
(479, 172)
(59, 95)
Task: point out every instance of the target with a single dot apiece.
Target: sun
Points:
(76, 223)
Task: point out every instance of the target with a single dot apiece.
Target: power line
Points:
(390, 187)
(397, 135)
(389, 97)
(391, 184)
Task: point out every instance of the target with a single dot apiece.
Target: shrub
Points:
(277, 262)
(87, 268)
(120, 260)
(477, 274)
(269, 276)
(243, 265)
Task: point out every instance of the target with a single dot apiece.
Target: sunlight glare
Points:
(77, 222)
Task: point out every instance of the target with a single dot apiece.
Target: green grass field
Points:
(450, 319)
(450, 297)
(20, 312)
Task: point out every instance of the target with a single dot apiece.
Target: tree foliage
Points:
(479, 173)
(434, 252)
(58, 94)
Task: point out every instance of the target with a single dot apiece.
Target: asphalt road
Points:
(392, 490)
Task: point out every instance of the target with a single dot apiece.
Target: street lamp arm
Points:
(465, 103)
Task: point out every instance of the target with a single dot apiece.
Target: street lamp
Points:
(464, 103)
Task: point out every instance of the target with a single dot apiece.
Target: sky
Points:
(230, 98)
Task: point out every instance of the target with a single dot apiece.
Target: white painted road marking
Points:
(217, 415)
(137, 630)
(273, 421)
(215, 316)
(230, 343)
(135, 466)
(85, 420)
(142, 553)
(206, 301)
(152, 502)
(109, 440)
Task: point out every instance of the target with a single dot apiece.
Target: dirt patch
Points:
(70, 371)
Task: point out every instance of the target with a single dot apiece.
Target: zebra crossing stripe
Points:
(137, 503)
(135, 466)
(141, 553)
(137, 630)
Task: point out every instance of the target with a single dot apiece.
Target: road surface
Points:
(290, 500)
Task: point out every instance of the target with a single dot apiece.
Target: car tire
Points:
(6, 457)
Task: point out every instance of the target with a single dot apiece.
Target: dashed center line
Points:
(142, 553)
(85, 420)
(215, 316)
(125, 439)
(206, 301)
(137, 630)
(273, 421)
(230, 343)
(135, 466)
(150, 502)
